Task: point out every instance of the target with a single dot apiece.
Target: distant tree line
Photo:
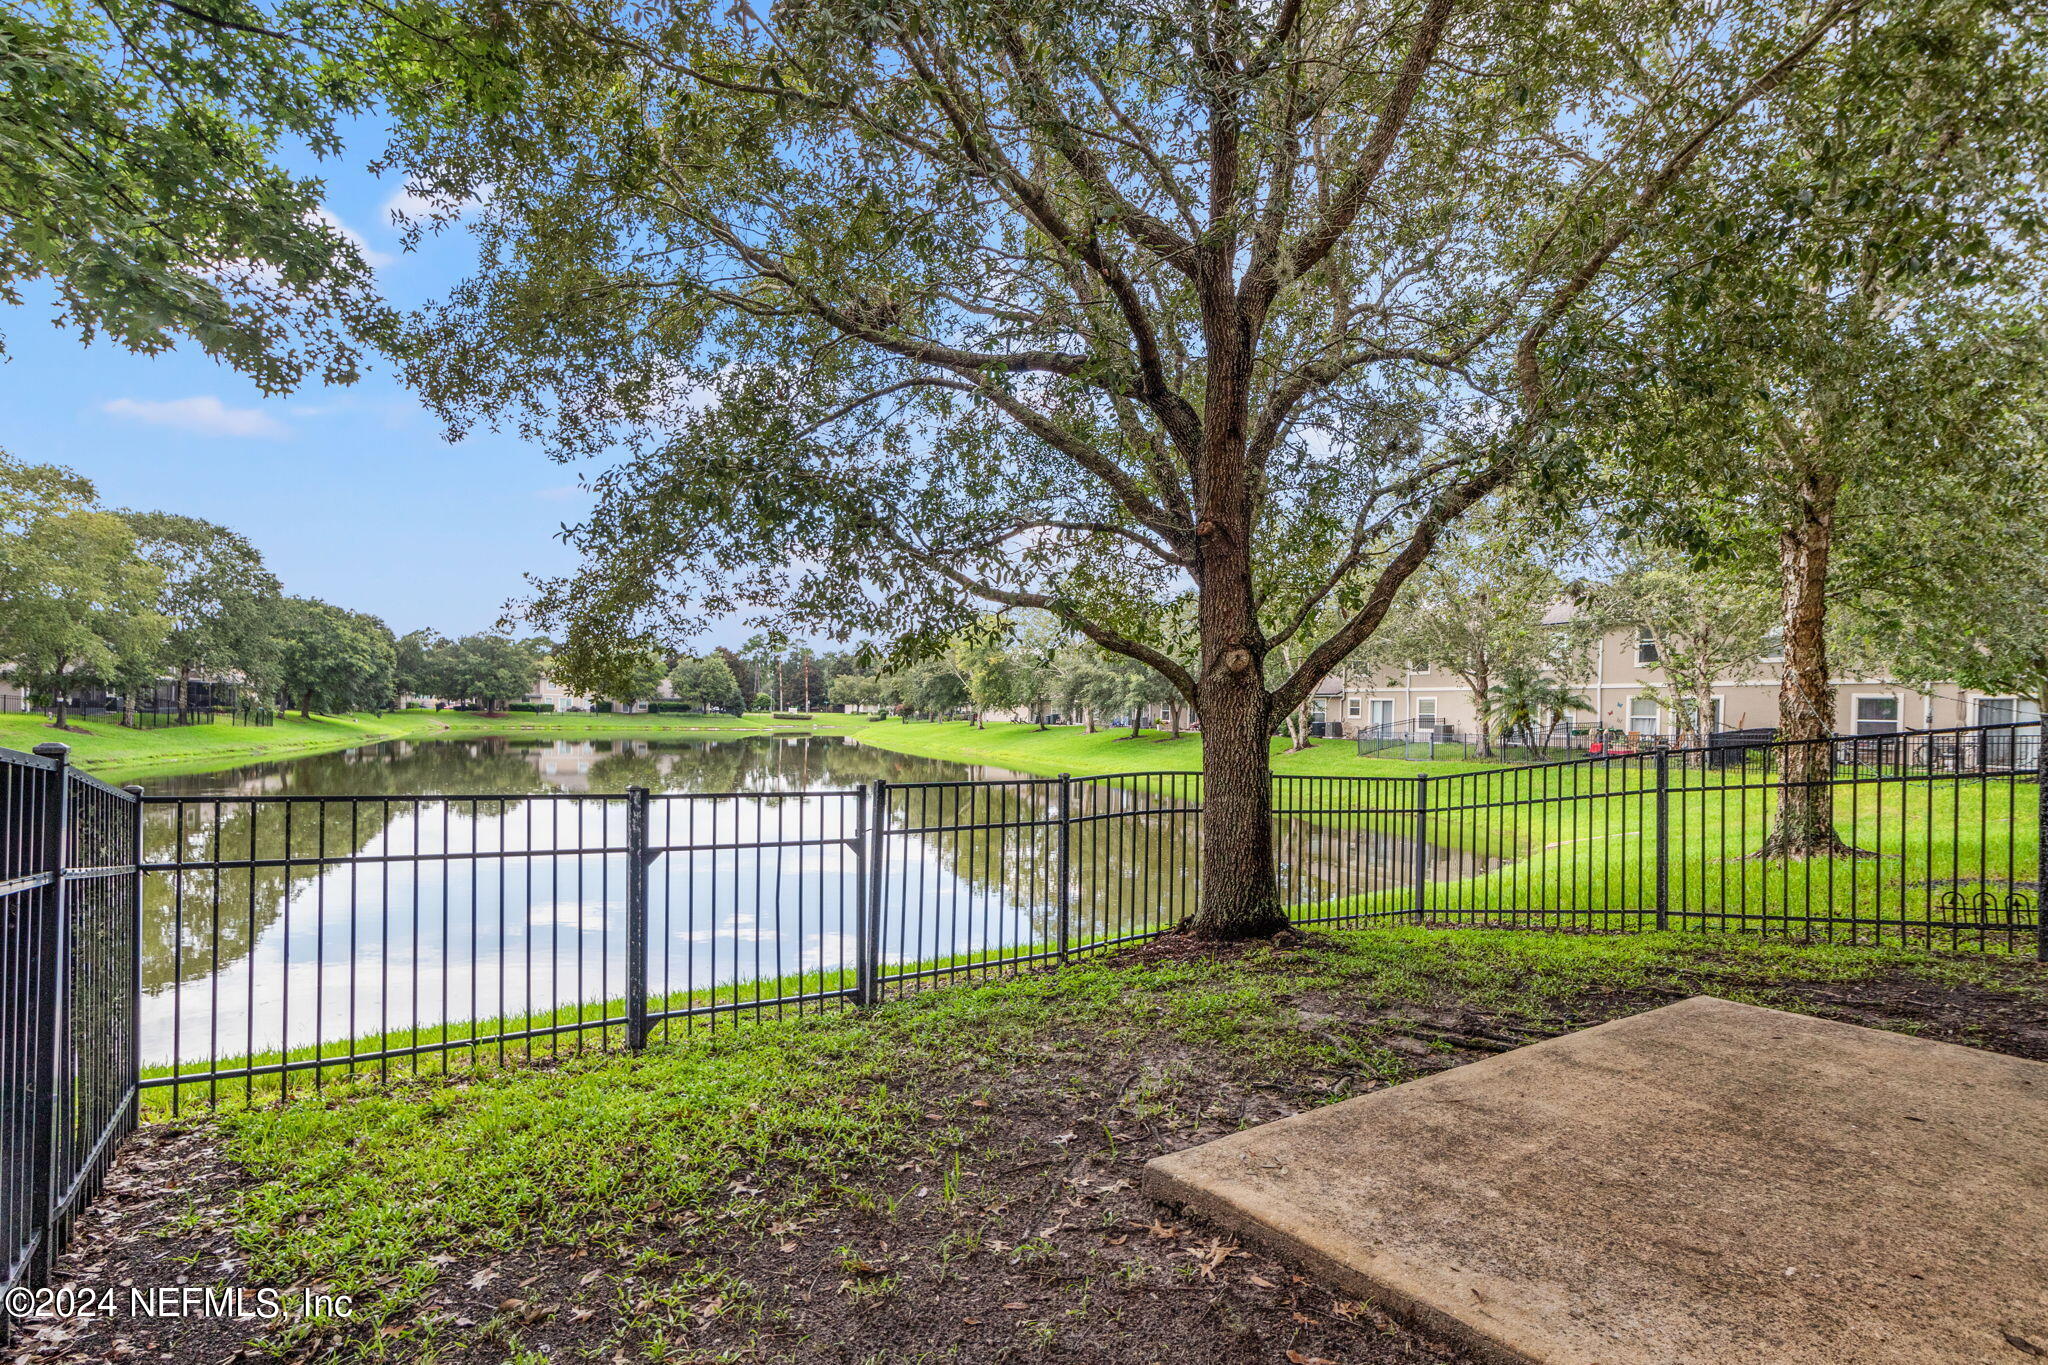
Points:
(120, 601)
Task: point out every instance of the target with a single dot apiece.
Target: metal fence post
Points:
(636, 917)
(1063, 896)
(133, 1079)
(867, 988)
(1663, 840)
(52, 1026)
(861, 856)
(2041, 840)
(1421, 842)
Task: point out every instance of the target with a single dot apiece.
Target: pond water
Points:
(344, 896)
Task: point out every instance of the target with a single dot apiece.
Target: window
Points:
(1646, 647)
(1774, 647)
(1382, 714)
(1877, 715)
(1643, 715)
(1425, 713)
(1418, 666)
(1351, 708)
(2014, 747)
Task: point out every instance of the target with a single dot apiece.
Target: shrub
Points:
(792, 715)
(530, 706)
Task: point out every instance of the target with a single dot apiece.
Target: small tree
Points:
(1527, 703)
(1478, 609)
(1707, 623)
(77, 603)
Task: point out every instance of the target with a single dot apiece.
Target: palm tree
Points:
(1524, 700)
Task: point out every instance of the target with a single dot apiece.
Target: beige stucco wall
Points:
(1749, 702)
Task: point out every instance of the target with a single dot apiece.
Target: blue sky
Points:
(351, 493)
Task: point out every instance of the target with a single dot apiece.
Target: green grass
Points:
(101, 746)
(1070, 749)
(371, 1191)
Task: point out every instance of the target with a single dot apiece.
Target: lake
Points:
(343, 896)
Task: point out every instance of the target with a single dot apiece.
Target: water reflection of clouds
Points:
(255, 957)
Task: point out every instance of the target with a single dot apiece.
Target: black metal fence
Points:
(1427, 741)
(173, 951)
(69, 991)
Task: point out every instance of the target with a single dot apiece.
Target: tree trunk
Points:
(1137, 721)
(1479, 681)
(305, 706)
(1173, 719)
(1088, 717)
(1237, 809)
(1805, 825)
(184, 690)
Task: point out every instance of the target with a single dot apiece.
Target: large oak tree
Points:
(900, 309)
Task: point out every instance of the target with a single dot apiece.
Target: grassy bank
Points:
(106, 749)
(951, 1174)
(1070, 749)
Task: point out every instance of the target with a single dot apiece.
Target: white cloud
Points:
(372, 257)
(407, 204)
(560, 494)
(202, 415)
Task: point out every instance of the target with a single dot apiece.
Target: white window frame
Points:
(1422, 719)
(1418, 666)
(2014, 719)
(1656, 716)
(1381, 713)
(1353, 708)
(1856, 721)
(1646, 639)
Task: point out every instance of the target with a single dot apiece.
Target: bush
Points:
(668, 708)
(534, 707)
(601, 707)
(791, 715)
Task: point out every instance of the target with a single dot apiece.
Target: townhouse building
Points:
(1628, 693)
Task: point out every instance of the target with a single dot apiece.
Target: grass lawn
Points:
(1070, 749)
(949, 1177)
(106, 749)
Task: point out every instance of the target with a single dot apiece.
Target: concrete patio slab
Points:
(1706, 1183)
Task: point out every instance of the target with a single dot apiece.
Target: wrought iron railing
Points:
(69, 938)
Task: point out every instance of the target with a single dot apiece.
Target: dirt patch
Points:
(1182, 947)
(1026, 1239)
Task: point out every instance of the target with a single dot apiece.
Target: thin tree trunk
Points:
(1137, 721)
(1173, 719)
(1478, 680)
(184, 690)
(1805, 825)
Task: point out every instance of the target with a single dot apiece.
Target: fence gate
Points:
(70, 922)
